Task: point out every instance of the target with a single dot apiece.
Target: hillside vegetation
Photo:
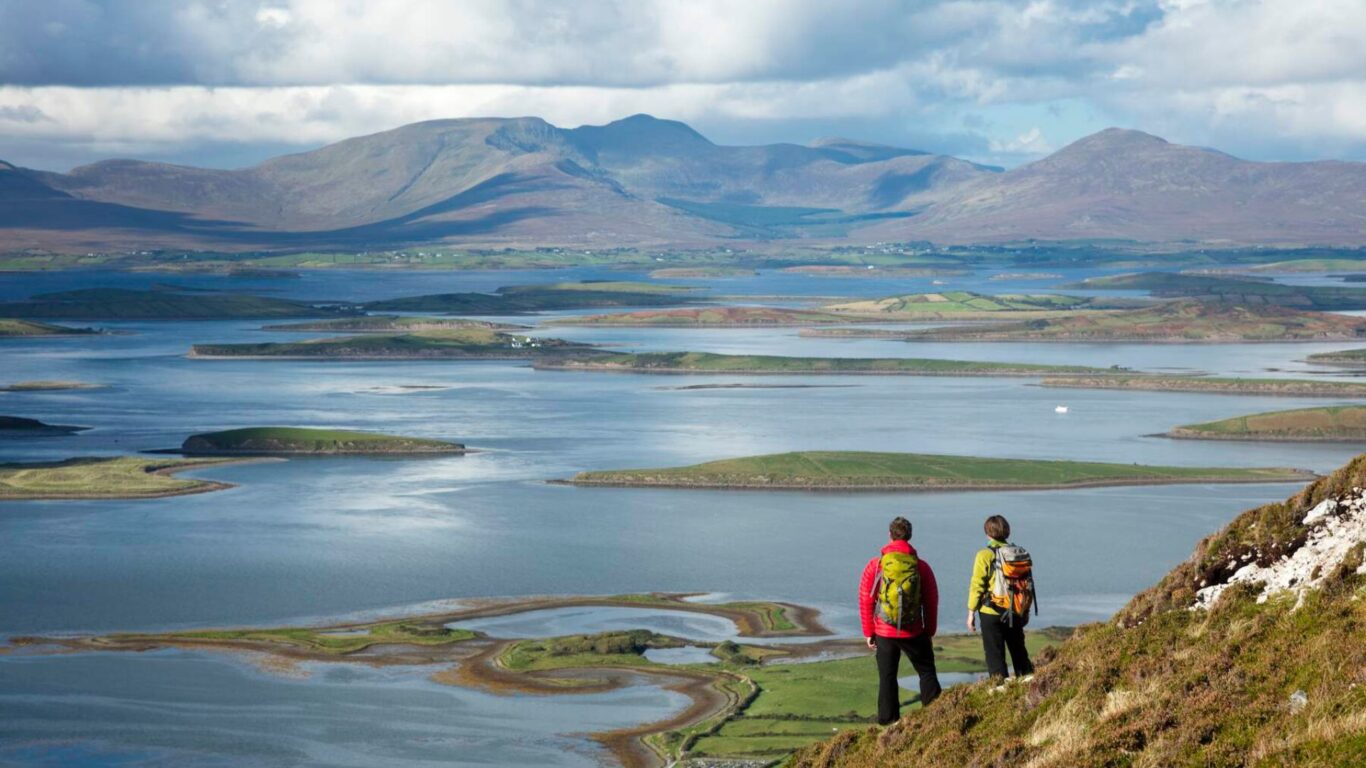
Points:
(716, 317)
(708, 362)
(865, 470)
(1211, 667)
(392, 324)
(964, 305)
(125, 304)
(1234, 290)
(1336, 423)
(472, 342)
(10, 327)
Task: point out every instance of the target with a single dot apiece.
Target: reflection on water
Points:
(690, 654)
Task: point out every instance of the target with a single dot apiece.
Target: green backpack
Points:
(897, 589)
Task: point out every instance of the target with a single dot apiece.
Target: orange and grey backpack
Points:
(1011, 585)
(897, 589)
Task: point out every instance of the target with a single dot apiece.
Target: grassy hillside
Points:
(391, 324)
(10, 327)
(124, 304)
(121, 477)
(295, 440)
(463, 343)
(1258, 677)
(715, 317)
(1234, 290)
(1336, 423)
(862, 470)
(967, 305)
(707, 362)
(1188, 321)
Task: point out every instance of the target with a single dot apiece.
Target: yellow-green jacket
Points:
(981, 579)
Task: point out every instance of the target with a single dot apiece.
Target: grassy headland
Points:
(1344, 423)
(1178, 322)
(966, 305)
(124, 304)
(1233, 290)
(392, 324)
(868, 471)
(121, 477)
(22, 426)
(47, 386)
(707, 362)
(12, 328)
(522, 299)
(1213, 385)
(470, 343)
(283, 441)
(694, 273)
(1346, 358)
(711, 317)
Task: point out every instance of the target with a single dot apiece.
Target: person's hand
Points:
(972, 621)
(872, 643)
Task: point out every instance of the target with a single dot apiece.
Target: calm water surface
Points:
(324, 537)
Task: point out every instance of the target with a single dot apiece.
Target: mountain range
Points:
(642, 181)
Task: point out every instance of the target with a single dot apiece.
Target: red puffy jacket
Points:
(929, 598)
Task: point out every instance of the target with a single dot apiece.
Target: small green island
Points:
(1345, 358)
(708, 362)
(524, 299)
(869, 471)
(127, 304)
(18, 425)
(1183, 322)
(294, 441)
(967, 305)
(1341, 424)
(1213, 385)
(13, 328)
(118, 477)
(713, 317)
(392, 324)
(48, 385)
(469, 343)
(1247, 290)
(701, 273)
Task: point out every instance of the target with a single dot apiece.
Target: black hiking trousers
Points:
(920, 650)
(997, 637)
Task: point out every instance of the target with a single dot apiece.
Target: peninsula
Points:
(470, 343)
(1213, 385)
(292, 441)
(126, 304)
(868, 471)
(523, 299)
(52, 385)
(762, 365)
(14, 328)
(393, 324)
(1342, 424)
(1233, 290)
(1185, 322)
(17, 425)
(967, 305)
(714, 317)
(1346, 358)
(120, 477)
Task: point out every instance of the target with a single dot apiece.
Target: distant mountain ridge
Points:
(644, 181)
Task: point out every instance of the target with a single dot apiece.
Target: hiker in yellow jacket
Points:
(997, 634)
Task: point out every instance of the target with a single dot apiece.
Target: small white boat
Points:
(1060, 409)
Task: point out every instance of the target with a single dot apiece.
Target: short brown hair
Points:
(997, 527)
(900, 529)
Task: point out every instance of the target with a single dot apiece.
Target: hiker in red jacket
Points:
(898, 601)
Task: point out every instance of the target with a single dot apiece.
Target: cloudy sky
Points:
(229, 82)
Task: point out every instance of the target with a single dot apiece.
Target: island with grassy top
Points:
(1342, 424)
(708, 362)
(1244, 289)
(393, 324)
(289, 441)
(1345, 358)
(701, 273)
(1213, 385)
(967, 305)
(714, 317)
(120, 477)
(15, 328)
(523, 299)
(1184, 322)
(18, 425)
(127, 304)
(869, 471)
(48, 385)
(872, 270)
(469, 343)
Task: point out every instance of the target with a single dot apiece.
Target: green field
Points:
(966, 305)
(463, 343)
(326, 641)
(1329, 424)
(292, 440)
(124, 304)
(1213, 385)
(707, 362)
(861, 470)
(713, 317)
(1235, 290)
(122, 477)
(1346, 358)
(1180, 322)
(391, 324)
(10, 327)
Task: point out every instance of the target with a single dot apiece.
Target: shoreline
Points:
(1289, 477)
(1160, 383)
(598, 368)
(1178, 434)
(204, 486)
